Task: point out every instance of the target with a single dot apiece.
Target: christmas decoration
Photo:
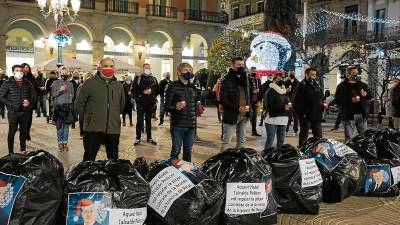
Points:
(269, 53)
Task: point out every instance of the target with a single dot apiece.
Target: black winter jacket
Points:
(396, 101)
(141, 83)
(176, 92)
(275, 102)
(308, 100)
(13, 96)
(230, 96)
(294, 86)
(344, 95)
(163, 86)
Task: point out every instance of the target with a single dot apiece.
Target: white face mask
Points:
(18, 75)
(147, 71)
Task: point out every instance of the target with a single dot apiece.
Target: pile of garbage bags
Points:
(100, 191)
(381, 152)
(342, 169)
(182, 194)
(248, 182)
(297, 180)
(32, 187)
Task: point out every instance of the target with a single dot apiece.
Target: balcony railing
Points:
(122, 6)
(212, 17)
(30, 1)
(362, 34)
(162, 11)
(87, 4)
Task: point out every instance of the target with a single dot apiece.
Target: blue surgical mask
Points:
(188, 75)
(357, 78)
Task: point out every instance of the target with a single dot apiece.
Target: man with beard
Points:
(235, 100)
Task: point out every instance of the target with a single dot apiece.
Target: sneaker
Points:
(131, 124)
(60, 147)
(136, 142)
(28, 138)
(66, 147)
(335, 128)
(150, 141)
(24, 152)
(256, 134)
(124, 124)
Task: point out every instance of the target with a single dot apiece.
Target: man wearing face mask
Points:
(291, 85)
(17, 94)
(180, 101)
(145, 90)
(41, 105)
(308, 103)
(128, 101)
(62, 92)
(235, 101)
(255, 86)
(101, 100)
(353, 96)
(163, 85)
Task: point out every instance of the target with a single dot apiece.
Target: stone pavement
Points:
(354, 210)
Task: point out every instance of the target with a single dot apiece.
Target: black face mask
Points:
(356, 78)
(279, 83)
(292, 76)
(254, 74)
(64, 77)
(240, 69)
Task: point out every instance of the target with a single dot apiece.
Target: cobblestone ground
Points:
(354, 210)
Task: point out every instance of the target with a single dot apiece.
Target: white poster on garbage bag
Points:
(128, 216)
(166, 187)
(245, 198)
(396, 174)
(341, 149)
(310, 175)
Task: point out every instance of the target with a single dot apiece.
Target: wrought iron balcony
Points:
(88, 4)
(122, 6)
(162, 11)
(205, 16)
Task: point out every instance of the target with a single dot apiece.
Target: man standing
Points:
(18, 95)
(163, 86)
(26, 70)
(101, 100)
(291, 85)
(41, 104)
(2, 80)
(255, 85)
(235, 99)
(353, 96)
(145, 90)
(75, 84)
(308, 102)
(180, 101)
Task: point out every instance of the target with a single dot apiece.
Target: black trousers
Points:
(2, 110)
(253, 118)
(143, 113)
(16, 119)
(81, 133)
(41, 106)
(92, 142)
(28, 130)
(305, 126)
(295, 119)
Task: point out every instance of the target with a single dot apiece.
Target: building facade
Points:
(245, 14)
(160, 32)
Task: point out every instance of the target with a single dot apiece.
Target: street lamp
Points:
(60, 10)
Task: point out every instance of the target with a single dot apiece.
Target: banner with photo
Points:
(10, 186)
(325, 154)
(378, 179)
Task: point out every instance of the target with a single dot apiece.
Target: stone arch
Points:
(166, 33)
(123, 27)
(86, 27)
(29, 18)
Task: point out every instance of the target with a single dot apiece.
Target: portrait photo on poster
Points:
(88, 208)
(271, 208)
(378, 179)
(10, 186)
(190, 170)
(325, 154)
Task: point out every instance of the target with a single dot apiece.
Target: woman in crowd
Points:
(277, 106)
(128, 101)
(62, 94)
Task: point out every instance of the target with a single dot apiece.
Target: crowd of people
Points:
(99, 101)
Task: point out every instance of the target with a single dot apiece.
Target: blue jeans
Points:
(272, 131)
(183, 136)
(62, 134)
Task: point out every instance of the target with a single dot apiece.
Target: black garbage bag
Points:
(183, 195)
(110, 185)
(140, 164)
(382, 159)
(292, 194)
(342, 169)
(40, 193)
(240, 172)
